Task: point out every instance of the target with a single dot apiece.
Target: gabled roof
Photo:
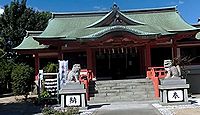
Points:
(114, 17)
(93, 25)
(197, 26)
(29, 43)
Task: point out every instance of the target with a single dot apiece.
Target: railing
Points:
(50, 81)
(85, 77)
(156, 73)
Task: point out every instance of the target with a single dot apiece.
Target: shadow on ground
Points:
(94, 106)
(19, 108)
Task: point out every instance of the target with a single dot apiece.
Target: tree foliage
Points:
(22, 79)
(16, 19)
(5, 78)
(51, 68)
(1, 48)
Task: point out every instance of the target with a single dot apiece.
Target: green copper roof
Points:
(29, 43)
(148, 22)
(100, 31)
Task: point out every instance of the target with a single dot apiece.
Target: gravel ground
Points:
(189, 109)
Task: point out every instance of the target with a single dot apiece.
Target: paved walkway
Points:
(9, 106)
(144, 108)
(124, 108)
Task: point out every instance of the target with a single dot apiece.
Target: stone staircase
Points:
(122, 90)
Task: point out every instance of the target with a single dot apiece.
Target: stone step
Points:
(121, 98)
(128, 94)
(125, 90)
(124, 87)
(122, 90)
(123, 83)
(129, 86)
(146, 96)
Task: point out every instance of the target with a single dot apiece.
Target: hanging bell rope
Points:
(126, 50)
(122, 50)
(113, 50)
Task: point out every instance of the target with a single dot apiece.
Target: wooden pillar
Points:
(178, 52)
(37, 63)
(60, 53)
(94, 62)
(141, 59)
(147, 56)
(174, 49)
(91, 60)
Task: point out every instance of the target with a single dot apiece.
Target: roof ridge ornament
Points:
(115, 7)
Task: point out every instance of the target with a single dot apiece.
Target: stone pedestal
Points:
(73, 95)
(173, 91)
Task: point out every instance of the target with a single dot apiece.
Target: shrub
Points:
(69, 111)
(5, 75)
(44, 97)
(22, 79)
(51, 68)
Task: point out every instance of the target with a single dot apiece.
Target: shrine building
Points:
(113, 44)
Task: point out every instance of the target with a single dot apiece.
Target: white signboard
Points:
(175, 95)
(63, 68)
(41, 74)
(73, 100)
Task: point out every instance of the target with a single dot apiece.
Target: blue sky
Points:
(189, 9)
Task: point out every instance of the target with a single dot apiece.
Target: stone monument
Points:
(73, 93)
(173, 89)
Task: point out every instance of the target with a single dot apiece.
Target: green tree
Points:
(16, 19)
(5, 78)
(22, 79)
(51, 68)
(1, 48)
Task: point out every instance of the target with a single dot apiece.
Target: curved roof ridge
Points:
(118, 28)
(114, 14)
(33, 33)
(100, 20)
(96, 13)
(147, 10)
(29, 43)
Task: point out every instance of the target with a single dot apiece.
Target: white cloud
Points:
(1, 10)
(96, 7)
(178, 2)
(37, 9)
(100, 8)
(172, 3)
(181, 2)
